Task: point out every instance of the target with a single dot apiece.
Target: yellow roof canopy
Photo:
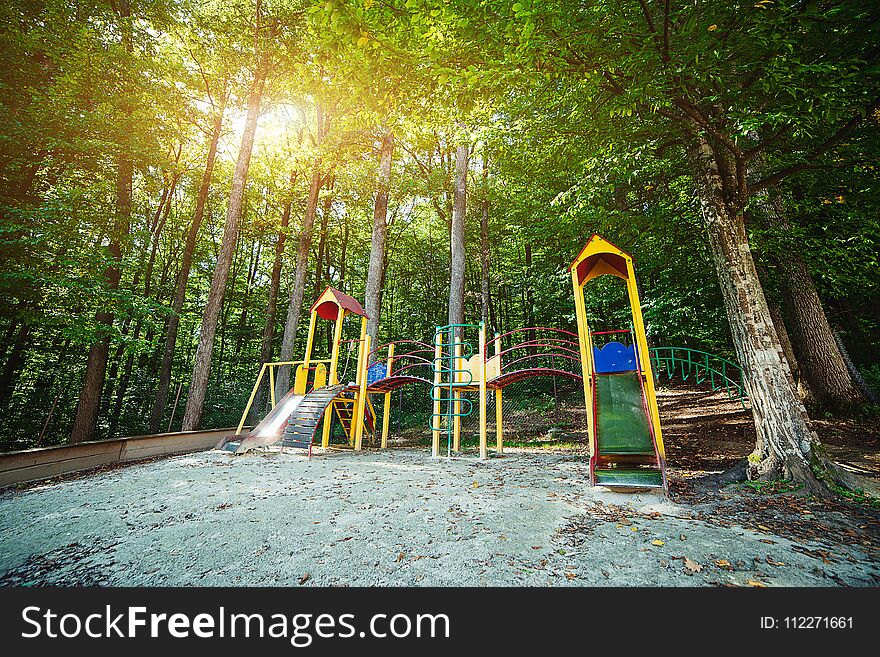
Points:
(598, 257)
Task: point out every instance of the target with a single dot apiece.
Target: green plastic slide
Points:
(621, 421)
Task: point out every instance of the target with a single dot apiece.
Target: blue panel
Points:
(614, 357)
(376, 372)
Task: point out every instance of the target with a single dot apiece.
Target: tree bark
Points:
(485, 295)
(294, 307)
(376, 270)
(788, 351)
(195, 400)
(158, 409)
(785, 444)
(266, 347)
(457, 252)
(822, 365)
(14, 363)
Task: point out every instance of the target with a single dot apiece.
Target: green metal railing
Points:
(447, 366)
(705, 367)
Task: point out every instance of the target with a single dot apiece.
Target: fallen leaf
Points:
(476, 484)
(682, 537)
(756, 584)
(658, 543)
(570, 576)
(635, 529)
(305, 578)
(536, 547)
(764, 528)
(767, 541)
(401, 556)
(723, 563)
(692, 565)
(772, 562)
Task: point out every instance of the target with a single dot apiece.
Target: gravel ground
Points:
(390, 518)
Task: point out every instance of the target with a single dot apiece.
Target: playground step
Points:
(629, 477)
(624, 452)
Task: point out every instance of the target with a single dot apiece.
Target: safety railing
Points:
(704, 367)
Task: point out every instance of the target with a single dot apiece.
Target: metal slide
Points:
(292, 423)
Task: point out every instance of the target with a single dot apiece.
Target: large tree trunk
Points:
(457, 254)
(266, 347)
(788, 351)
(14, 363)
(822, 364)
(183, 276)
(785, 444)
(294, 307)
(823, 367)
(195, 400)
(376, 270)
(86, 419)
(485, 299)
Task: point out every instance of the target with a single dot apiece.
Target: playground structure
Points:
(516, 355)
(615, 368)
(623, 421)
(316, 395)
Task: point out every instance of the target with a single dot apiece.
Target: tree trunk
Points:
(242, 330)
(376, 270)
(485, 299)
(457, 254)
(294, 308)
(14, 363)
(788, 351)
(195, 400)
(86, 419)
(322, 257)
(785, 444)
(822, 365)
(274, 287)
(183, 277)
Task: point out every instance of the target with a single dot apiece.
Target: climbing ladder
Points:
(344, 408)
(451, 354)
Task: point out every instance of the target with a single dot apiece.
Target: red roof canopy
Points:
(328, 304)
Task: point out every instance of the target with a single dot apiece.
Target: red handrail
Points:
(527, 357)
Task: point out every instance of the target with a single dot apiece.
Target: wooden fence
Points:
(45, 462)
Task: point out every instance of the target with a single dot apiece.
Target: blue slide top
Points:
(614, 357)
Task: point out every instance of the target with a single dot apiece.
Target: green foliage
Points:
(580, 109)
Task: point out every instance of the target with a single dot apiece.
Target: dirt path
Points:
(400, 518)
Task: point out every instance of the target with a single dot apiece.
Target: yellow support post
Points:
(643, 355)
(272, 384)
(334, 377)
(334, 356)
(586, 356)
(251, 399)
(362, 388)
(386, 411)
(482, 362)
(456, 404)
(310, 341)
(438, 379)
(499, 409)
